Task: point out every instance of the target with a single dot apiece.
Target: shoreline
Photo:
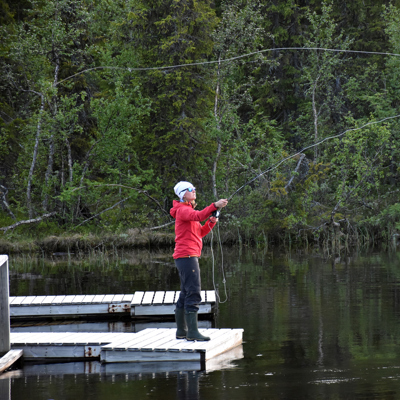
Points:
(76, 243)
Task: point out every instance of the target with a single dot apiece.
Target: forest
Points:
(290, 109)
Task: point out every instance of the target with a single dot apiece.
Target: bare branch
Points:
(3, 194)
(28, 221)
(162, 226)
(125, 187)
(296, 170)
(101, 212)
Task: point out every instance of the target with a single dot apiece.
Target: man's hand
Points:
(213, 220)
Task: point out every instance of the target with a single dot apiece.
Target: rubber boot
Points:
(180, 323)
(193, 332)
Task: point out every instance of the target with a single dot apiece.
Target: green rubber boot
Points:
(180, 323)
(193, 332)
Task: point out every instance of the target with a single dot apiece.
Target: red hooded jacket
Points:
(188, 230)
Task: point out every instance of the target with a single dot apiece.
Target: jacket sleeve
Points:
(206, 228)
(188, 214)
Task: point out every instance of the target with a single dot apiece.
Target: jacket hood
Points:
(175, 205)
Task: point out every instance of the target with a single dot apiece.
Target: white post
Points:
(4, 307)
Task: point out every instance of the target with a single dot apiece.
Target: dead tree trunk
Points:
(3, 194)
(34, 158)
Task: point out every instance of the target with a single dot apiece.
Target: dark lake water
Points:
(314, 327)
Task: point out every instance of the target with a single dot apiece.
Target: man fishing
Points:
(188, 244)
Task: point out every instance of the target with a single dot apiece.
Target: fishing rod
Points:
(217, 212)
(276, 165)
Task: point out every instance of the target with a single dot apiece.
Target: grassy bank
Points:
(49, 239)
(75, 243)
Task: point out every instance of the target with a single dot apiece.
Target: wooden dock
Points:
(126, 371)
(137, 305)
(149, 345)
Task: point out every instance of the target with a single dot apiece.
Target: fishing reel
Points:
(216, 213)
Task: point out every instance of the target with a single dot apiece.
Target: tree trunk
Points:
(71, 176)
(216, 116)
(315, 114)
(34, 158)
(51, 145)
(48, 171)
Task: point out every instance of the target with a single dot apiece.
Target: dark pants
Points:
(189, 273)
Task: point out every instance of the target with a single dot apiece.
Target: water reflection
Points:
(313, 328)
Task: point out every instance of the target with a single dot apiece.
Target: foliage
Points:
(105, 105)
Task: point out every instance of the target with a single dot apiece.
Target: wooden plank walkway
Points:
(161, 345)
(149, 345)
(137, 305)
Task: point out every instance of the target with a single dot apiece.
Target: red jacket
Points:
(188, 230)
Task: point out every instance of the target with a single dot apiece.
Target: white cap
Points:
(181, 187)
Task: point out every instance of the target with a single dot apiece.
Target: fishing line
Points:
(130, 69)
(222, 268)
(269, 169)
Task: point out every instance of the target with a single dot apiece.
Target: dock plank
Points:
(210, 296)
(132, 343)
(68, 299)
(117, 298)
(127, 298)
(107, 298)
(58, 299)
(148, 298)
(158, 297)
(177, 294)
(88, 299)
(137, 298)
(122, 342)
(38, 300)
(27, 300)
(169, 297)
(48, 300)
(98, 298)
(10, 358)
(18, 300)
(77, 299)
(156, 334)
(203, 296)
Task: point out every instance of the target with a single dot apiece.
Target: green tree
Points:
(173, 33)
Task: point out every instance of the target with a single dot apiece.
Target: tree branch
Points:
(126, 187)
(296, 170)
(3, 194)
(161, 226)
(101, 212)
(28, 221)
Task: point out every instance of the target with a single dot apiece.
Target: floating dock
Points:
(149, 345)
(138, 305)
(125, 371)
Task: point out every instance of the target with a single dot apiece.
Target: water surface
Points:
(314, 327)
